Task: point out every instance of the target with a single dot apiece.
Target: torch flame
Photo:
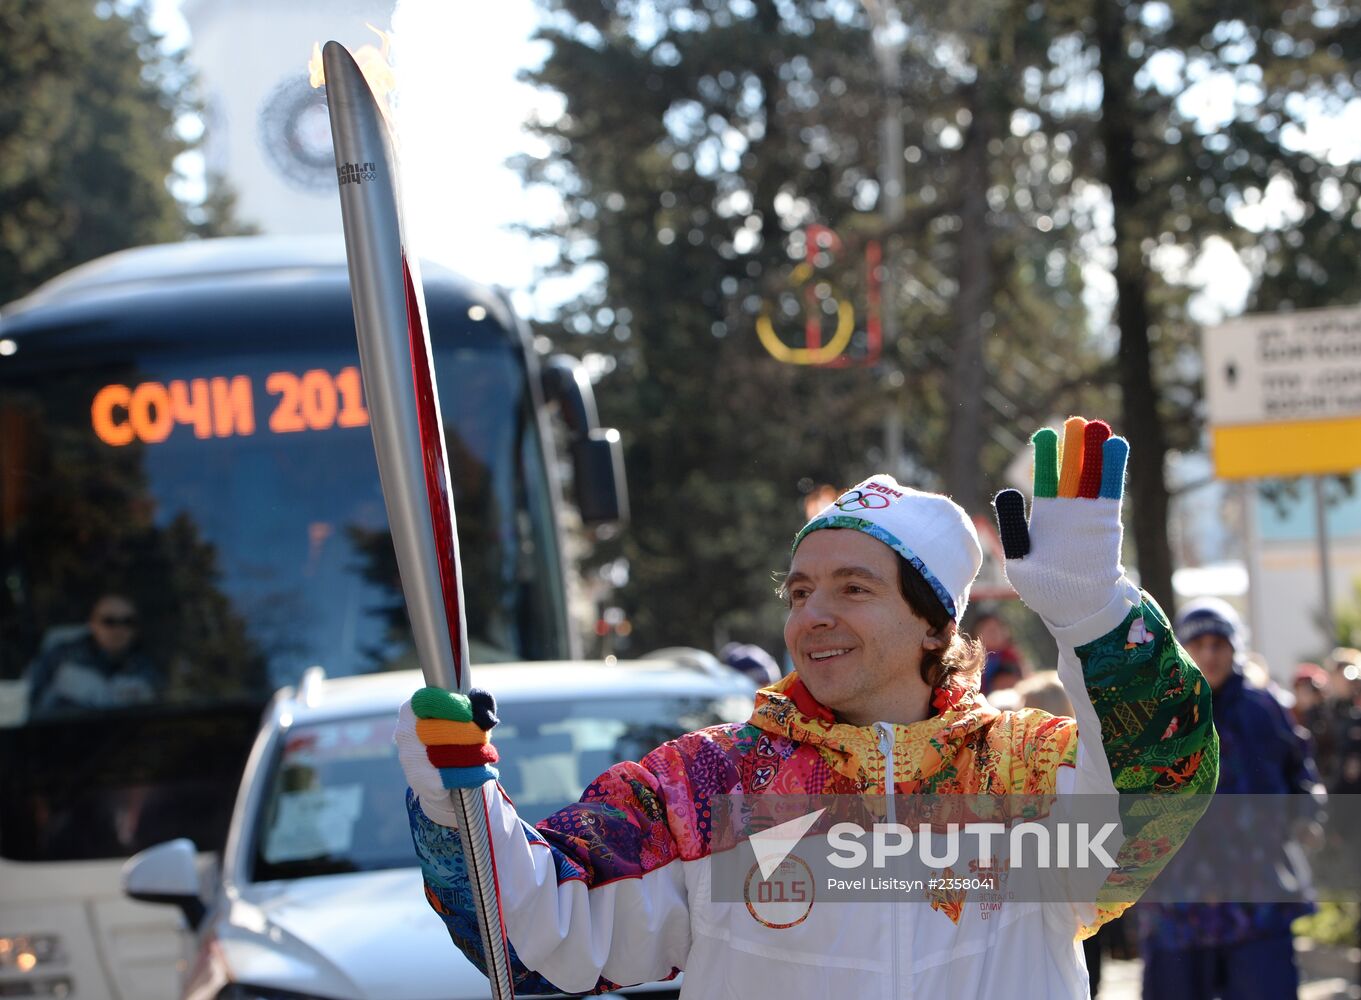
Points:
(316, 74)
(373, 63)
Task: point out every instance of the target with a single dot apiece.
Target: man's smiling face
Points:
(855, 641)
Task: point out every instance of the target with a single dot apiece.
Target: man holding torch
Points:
(616, 889)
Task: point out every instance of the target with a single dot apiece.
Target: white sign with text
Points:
(1284, 366)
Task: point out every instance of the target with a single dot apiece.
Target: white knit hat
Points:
(930, 531)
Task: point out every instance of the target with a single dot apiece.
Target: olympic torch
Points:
(399, 385)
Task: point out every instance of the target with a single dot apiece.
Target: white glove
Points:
(1065, 564)
(421, 775)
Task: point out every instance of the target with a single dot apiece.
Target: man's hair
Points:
(962, 656)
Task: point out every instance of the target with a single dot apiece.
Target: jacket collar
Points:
(787, 708)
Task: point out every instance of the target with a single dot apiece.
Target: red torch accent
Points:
(432, 451)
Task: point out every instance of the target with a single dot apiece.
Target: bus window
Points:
(221, 511)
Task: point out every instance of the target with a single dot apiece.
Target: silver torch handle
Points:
(399, 386)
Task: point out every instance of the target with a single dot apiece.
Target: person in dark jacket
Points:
(101, 668)
(1313, 713)
(1342, 774)
(1233, 950)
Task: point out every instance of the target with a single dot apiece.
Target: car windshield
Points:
(334, 798)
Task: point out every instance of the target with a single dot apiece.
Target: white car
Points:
(319, 895)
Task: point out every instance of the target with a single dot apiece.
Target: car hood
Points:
(353, 936)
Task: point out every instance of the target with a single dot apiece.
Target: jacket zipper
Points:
(891, 811)
(886, 748)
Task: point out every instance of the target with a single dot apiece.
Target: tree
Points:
(1122, 169)
(1347, 620)
(87, 137)
(1176, 176)
(1016, 350)
(698, 142)
(684, 171)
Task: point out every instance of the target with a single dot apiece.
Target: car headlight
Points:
(244, 991)
(32, 955)
(26, 952)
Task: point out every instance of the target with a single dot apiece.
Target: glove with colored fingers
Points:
(444, 742)
(1065, 561)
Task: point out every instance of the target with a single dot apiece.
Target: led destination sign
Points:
(223, 407)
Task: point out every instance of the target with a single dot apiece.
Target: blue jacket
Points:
(1260, 753)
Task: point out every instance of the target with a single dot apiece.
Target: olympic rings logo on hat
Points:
(860, 500)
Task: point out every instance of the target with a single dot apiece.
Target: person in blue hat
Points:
(751, 660)
(1232, 950)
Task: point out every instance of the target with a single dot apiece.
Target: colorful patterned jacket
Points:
(616, 889)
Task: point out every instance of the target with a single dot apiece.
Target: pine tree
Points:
(1176, 177)
(698, 143)
(87, 136)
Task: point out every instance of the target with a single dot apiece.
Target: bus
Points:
(190, 518)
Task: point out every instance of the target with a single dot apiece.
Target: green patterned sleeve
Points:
(1154, 707)
(1156, 728)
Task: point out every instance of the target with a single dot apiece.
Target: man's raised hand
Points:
(444, 742)
(1065, 560)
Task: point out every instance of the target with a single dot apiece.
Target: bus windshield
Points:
(187, 528)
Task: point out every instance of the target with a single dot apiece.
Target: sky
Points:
(453, 63)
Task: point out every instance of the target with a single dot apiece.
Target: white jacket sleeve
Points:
(1144, 730)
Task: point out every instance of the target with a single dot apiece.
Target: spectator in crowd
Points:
(1310, 685)
(1343, 666)
(1006, 673)
(1043, 690)
(1004, 665)
(1343, 774)
(1232, 950)
(1311, 712)
(751, 660)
